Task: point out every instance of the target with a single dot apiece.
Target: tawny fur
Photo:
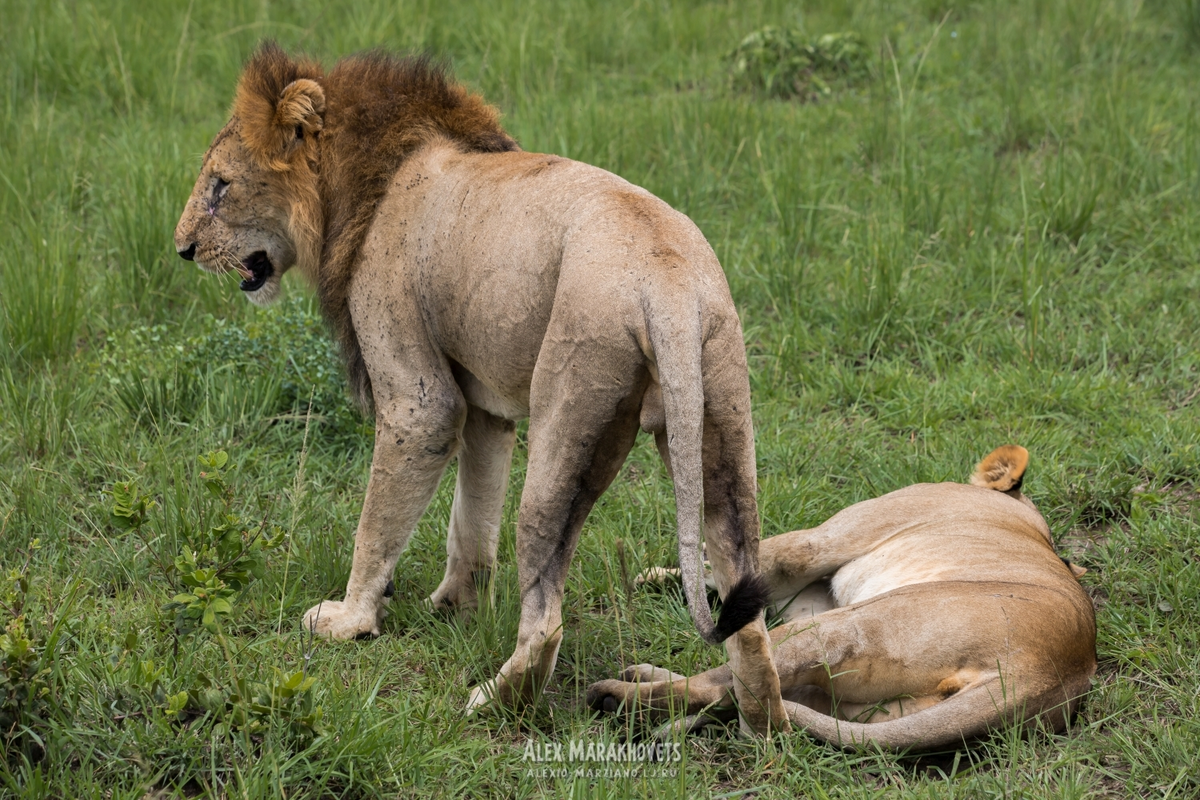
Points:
(382, 109)
(917, 620)
(471, 285)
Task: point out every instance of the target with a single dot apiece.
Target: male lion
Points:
(470, 285)
(915, 620)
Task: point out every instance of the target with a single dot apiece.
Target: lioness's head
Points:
(255, 209)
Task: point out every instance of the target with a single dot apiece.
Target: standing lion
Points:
(471, 285)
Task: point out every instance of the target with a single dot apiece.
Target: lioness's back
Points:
(945, 532)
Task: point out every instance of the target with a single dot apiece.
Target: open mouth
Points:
(255, 269)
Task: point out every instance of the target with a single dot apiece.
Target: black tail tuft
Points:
(741, 606)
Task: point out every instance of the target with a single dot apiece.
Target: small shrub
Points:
(288, 340)
(252, 706)
(780, 62)
(23, 684)
(217, 564)
(26, 656)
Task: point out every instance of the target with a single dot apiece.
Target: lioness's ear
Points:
(1002, 469)
(1077, 570)
(278, 104)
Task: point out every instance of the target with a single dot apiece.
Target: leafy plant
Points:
(26, 656)
(279, 362)
(218, 561)
(288, 340)
(129, 506)
(781, 62)
(248, 706)
(216, 565)
(23, 681)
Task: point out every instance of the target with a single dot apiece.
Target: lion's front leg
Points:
(484, 462)
(411, 451)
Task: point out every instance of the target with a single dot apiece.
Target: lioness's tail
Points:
(972, 712)
(1002, 469)
(677, 347)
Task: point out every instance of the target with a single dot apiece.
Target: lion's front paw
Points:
(454, 599)
(333, 619)
(481, 698)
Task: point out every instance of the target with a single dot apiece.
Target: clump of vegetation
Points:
(23, 683)
(26, 656)
(281, 362)
(289, 340)
(217, 563)
(252, 707)
(782, 62)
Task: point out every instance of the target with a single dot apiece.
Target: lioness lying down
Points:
(919, 619)
(472, 285)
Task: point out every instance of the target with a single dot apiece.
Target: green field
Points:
(989, 235)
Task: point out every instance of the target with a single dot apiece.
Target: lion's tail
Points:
(677, 350)
(984, 706)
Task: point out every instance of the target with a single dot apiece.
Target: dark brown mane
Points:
(379, 109)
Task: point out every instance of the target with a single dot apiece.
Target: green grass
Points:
(993, 238)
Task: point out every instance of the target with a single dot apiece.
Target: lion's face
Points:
(254, 209)
(236, 219)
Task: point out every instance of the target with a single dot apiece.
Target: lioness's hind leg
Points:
(710, 691)
(484, 461)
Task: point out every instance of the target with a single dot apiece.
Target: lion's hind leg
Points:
(579, 436)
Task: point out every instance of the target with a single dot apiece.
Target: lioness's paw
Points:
(333, 619)
(656, 576)
(648, 673)
(607, 696)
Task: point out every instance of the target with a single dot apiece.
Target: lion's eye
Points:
(221, 187)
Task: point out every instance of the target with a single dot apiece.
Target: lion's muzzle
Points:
(259, 268)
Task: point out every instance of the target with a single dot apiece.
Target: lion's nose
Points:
(189, 254)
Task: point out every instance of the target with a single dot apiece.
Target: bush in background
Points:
(782, 62)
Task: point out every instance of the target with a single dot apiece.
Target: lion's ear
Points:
(301, 108)
(275, 118)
